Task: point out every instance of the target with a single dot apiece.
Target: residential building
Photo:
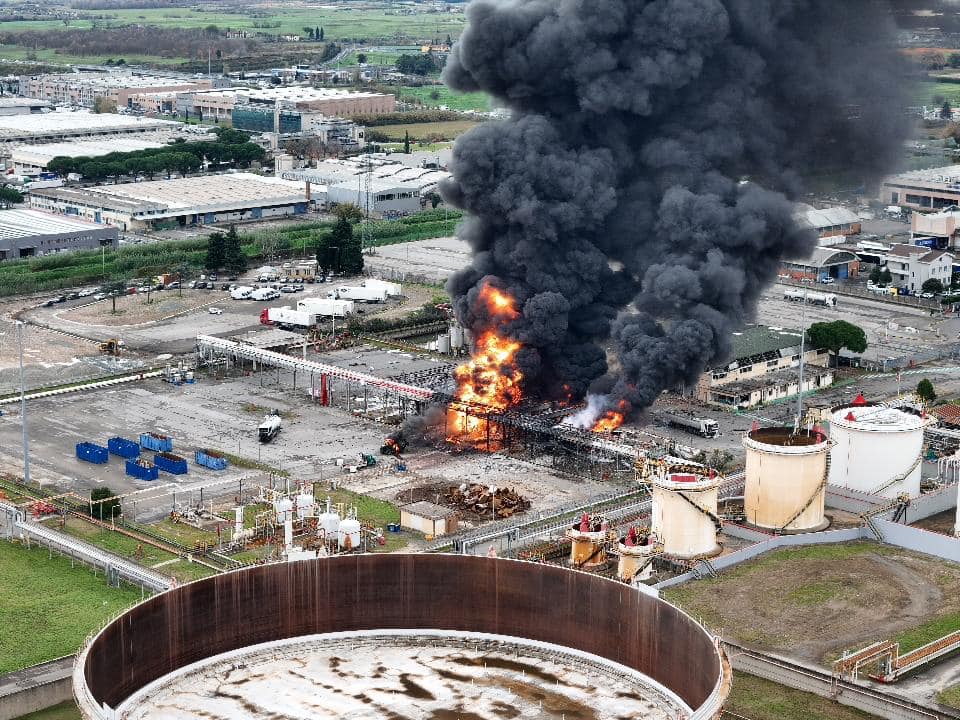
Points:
(181, 202)
(29, 233)
(912, 265)
(762, 369)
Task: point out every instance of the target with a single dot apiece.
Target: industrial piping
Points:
(530, 601)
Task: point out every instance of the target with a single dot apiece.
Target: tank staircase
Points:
(703, 568)
(891, 665)
(899, 478)
(717, 523)
(816, 493)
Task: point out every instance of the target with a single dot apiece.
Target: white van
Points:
(265, 294)
(241, 293)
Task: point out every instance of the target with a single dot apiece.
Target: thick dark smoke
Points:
(642, 188)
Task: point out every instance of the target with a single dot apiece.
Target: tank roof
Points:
(876, 418)
(786, 437)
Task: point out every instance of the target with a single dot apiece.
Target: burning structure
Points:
(256, 641)
(641, 190)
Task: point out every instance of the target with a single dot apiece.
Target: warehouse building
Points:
(23, 106)
(29, 233)
(182, 202)
(330, 102)
(830, 222)
(825, 262)
(31, 159)
(923, 190)
(61, 126)
(761, 369)
(83, 88)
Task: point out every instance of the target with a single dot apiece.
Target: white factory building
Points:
(31, 159)
(181, 202)
(387, 187)
(60, 126)
(29, 233)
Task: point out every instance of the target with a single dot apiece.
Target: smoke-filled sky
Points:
(641, 189)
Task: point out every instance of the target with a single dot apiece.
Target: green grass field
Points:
(759, 699)
(338, 23)
(447, 130)
(950, 696)
(434, 96)
(924, 92)
(63, 711)
(48, 607)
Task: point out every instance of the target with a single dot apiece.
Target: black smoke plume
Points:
(642, 188)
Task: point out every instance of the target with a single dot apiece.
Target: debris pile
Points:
(485, 501)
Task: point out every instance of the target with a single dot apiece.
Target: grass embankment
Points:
(48, 607)
(950, 697)
(436, 96)
(63, 711)
(759, 699)
(86, 267)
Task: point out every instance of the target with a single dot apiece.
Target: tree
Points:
(932, 286)
(103, 510)
(875, 276)
(837, 335)
(362, 58)
(925, 391)
(406, 142)
(114, 289)
(954, 60)
(318, 33)
(946, 112)
(216, 251)
(10, 195)
(211, 30)
(104, 105)
(233, 258)
(886, 277)
(308, 31)
(339, 250)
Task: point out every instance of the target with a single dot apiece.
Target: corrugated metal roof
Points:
(16, 224)
(950, 414)
(831, 217)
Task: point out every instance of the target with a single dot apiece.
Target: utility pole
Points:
(803, 338)
(23, 409)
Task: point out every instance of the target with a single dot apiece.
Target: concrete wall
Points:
(35, 688)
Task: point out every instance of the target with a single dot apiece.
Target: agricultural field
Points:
(338, 23)
(925, 92)
(447, 130)
(814, 602)
(48, 607)
(435, 96)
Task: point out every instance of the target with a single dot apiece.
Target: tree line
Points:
(231, 146)
(420, 64)
(404, 118)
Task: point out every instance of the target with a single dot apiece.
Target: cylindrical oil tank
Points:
(456, 337)
(784, 487)
(283, 508)
(305, 503)
(348, 534)
(330, 523)
(876, 450)
(587, 549)
(636, 551)
(684, 512)
(443, 344)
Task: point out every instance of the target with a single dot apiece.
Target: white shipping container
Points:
(359, 294)
(287, 316)
(393, 289)
(326, 307)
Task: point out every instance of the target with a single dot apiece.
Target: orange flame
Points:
(491, 379)
(611, 419)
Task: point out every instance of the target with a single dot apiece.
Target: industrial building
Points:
(761, 369)
(912, 265)
(375, 181)
(825, 262)
(61, 126)
(296, 100)
(937, 231)
(83, 88)
(29, 233)
(23, 106)
(923, 190)
(181, 202)
(31, 159)
(830, 222)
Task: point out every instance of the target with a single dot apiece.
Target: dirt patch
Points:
(140, 308)
(814, 602)
(940, 523)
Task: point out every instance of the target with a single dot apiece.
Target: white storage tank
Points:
(443, 344)
(876, 450)
(284, 509)
(329, 522)
(305, 503)
(348, 534)
(785, 479)
(684, 508)
(456, 337)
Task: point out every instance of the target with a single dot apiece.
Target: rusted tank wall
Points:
(365, 592)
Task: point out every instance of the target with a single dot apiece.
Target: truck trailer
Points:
(814, 298)
(704, 427)
(288, 317)
(359, 294)
(269, 428)
(326, 307)
(393, 289)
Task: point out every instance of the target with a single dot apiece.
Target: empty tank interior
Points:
(369, 592)
(785, 437)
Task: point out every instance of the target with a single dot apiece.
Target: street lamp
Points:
(23, 408)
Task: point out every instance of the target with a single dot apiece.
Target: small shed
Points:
(428, 518)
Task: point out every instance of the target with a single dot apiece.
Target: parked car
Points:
(212, 276)
(173, 285)
(287, 289)
(215, 311)
(928, 295)
(100, 296)
(227, 286)
(86, 292)
(72, 296)
(827, 280)
(60, 299)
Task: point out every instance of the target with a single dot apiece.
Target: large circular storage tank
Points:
(226, 629)
(785, 479)
(684, 512)
(876, 450)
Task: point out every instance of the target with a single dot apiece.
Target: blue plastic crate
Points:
(123, 447)
(92, 453)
